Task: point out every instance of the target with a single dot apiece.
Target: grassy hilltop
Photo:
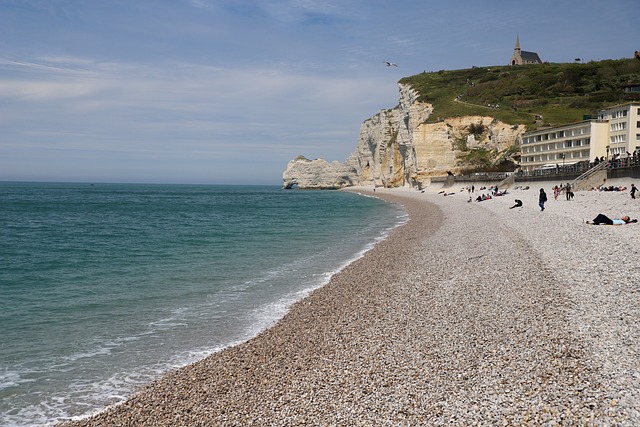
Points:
(560, 93)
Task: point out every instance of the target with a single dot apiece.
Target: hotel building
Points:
(616, 131)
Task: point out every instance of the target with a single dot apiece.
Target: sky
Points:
(229, 91)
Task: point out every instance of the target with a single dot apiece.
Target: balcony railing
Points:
(573, 170)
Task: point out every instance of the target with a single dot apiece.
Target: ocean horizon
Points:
(105, 287)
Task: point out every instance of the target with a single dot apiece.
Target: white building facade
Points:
(624, 128)
(616, 132)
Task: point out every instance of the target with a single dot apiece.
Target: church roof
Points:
(530, 56)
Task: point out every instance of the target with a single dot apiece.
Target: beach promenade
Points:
(470, 314)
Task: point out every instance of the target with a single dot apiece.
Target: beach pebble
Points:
(470, 314)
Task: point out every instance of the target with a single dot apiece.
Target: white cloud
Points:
(181, 110)
(202, 4)
(45, 90)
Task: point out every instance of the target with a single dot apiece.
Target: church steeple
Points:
(521, 57)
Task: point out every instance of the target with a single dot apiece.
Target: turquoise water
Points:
(104, 287)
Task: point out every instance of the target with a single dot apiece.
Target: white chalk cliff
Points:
(398, 148)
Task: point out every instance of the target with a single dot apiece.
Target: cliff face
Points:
(319, 174)
(397, 148)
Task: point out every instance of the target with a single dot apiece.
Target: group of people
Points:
(493, 191)
(472, 188)
(632, 191)
(600, 219)
(568, 191)
(611, 188)
(483, 197)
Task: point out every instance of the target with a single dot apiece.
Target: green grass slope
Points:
(560, 93)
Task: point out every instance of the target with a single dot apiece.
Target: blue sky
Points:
(228, 91)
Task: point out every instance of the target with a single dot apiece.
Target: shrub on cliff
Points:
(560, 93)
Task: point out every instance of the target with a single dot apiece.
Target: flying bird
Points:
(390, 64)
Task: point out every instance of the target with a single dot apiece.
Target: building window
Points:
(616, 139)
(637, 136)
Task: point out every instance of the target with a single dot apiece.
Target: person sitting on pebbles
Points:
(603, 219)
(517, 205)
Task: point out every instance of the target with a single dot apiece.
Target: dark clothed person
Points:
(542, 199)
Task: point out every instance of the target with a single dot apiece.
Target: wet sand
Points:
(469, 313)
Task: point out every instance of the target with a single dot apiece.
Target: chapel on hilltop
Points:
(521, 57)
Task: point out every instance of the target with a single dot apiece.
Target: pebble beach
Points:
(471, 313)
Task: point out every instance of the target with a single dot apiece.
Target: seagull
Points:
(390, 64)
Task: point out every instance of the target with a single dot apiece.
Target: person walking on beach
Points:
(542, 199)
(633, 190)
(568, 192)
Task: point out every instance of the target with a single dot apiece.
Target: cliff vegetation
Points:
(556, 93)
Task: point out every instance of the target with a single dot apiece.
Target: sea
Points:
(105, 287)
